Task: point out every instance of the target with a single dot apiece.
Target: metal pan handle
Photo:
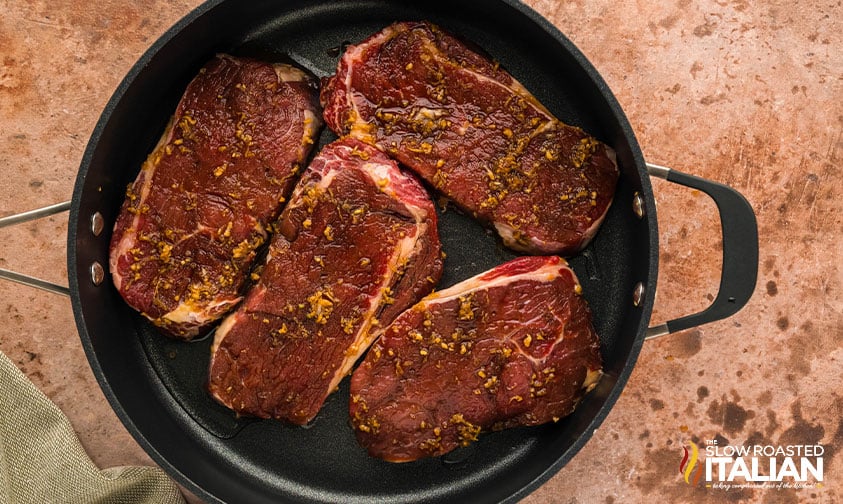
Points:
(25, 217)
(740, 251)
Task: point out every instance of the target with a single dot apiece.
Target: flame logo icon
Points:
(689, 463)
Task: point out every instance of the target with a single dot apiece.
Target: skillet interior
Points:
(156, 385)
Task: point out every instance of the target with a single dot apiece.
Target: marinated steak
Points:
(475, 134)
(356, 245)
(185, 238)
(513, 346)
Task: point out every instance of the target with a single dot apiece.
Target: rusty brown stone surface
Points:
(749, 94)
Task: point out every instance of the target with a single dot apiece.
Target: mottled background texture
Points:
(745, 93)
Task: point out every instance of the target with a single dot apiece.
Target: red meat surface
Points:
(475, 134)
(187, 233)
(356, 245)
(510, 347)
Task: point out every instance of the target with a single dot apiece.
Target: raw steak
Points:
(356, 245)
(512, 346)
(186, 236)
(475, 134)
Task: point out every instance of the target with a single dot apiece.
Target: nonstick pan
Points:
(157, 385)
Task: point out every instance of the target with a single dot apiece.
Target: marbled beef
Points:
(475, 134)
(186, 236)
(356, 245)
(512, 346)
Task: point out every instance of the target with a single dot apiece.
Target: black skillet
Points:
(156, 385)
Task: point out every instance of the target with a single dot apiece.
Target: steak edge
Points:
(356, 245)
(187, 233)
(475, 134)
(510, 347)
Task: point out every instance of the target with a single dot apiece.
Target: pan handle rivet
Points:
(638, 205)
(97, 273)
(638, 294)
(97, 223)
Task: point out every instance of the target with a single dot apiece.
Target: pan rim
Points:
(77, 273)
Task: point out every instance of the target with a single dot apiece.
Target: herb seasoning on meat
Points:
(185, 239)
(475, 134)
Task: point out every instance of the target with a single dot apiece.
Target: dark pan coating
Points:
(475, 134)
(513, 346)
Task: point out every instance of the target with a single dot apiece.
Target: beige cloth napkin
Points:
(42, 460)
